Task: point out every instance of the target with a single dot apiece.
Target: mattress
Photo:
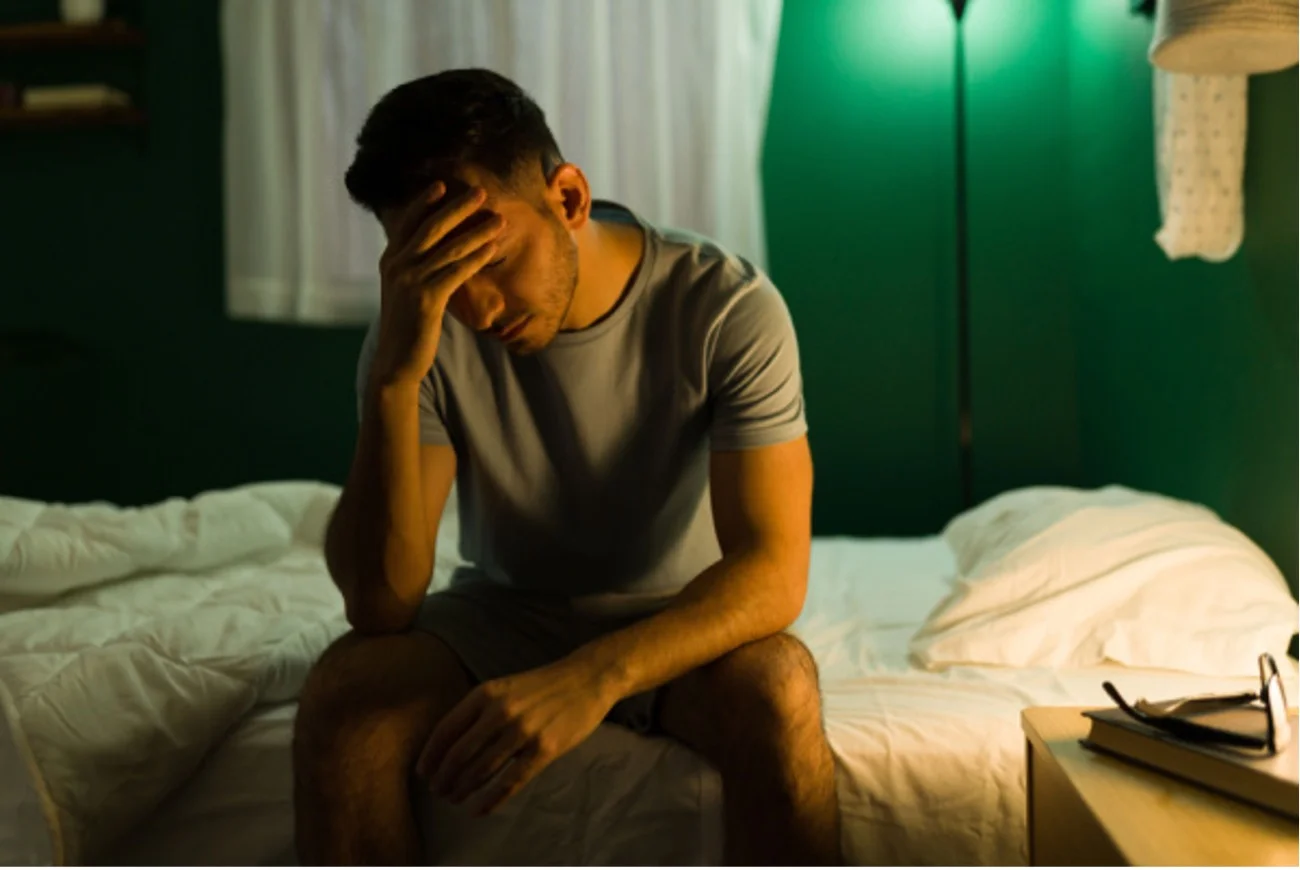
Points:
(930, 765)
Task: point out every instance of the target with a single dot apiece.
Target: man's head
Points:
(476, 128)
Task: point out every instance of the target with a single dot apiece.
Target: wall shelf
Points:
(38, 347)
(46, 119)
(55, 34)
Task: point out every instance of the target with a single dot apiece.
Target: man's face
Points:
(523, 296)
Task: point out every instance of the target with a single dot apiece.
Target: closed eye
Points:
(494, 264)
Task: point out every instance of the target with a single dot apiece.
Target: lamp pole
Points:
(966, 462)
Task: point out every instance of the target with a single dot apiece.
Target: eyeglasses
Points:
(1180, 716)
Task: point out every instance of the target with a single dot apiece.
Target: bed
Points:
(930, 755)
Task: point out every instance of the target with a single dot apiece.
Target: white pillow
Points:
(1058, 577)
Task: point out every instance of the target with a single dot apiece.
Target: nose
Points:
(480, 306)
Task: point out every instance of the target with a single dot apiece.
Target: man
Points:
(621, 409)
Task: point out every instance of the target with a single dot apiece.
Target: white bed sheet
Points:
(930, 765)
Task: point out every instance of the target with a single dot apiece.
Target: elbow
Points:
(782, 602)
(786, 612)
(792, 592)
(776, 572)
(372, 608)
(372, 605)
(776, 585)
(370, 617)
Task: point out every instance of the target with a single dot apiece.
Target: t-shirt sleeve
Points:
(754, 377)
(433, 429)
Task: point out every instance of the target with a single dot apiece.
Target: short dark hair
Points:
(425, 129)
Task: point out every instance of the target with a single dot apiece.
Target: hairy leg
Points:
(755, 714)
(366, 709)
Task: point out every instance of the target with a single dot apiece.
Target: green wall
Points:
(1095, 359)
(858, 176)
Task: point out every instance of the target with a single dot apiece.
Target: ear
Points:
(569, 196)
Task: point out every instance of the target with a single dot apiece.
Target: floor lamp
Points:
(966, 463)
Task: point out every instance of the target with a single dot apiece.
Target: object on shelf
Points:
(65, 97)
(46, 119)
(81, 11)
(56, 34)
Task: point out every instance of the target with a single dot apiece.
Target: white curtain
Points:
(663, 103)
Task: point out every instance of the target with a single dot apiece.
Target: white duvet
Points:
(113, 693)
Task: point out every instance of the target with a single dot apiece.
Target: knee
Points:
(349, 708)
(328, 708)
(331, 680)
(766, 691)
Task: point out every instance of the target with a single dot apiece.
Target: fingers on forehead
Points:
(412, 214)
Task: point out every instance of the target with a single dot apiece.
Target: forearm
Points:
(742, 598)
(378, 547)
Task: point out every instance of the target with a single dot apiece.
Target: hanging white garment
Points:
(1200, 164)
(1203, 50)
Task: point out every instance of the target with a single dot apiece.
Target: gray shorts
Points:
(498, 631)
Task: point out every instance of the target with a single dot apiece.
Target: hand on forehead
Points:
(469, 177)
(449, 207)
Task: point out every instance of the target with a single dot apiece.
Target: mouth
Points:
(513, 330)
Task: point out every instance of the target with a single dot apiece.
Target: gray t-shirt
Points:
(583, 469)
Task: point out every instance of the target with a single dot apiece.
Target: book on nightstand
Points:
(1267, 781)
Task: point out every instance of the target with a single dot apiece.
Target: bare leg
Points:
(367, 707)
(755, 714)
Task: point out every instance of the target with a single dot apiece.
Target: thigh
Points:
(752, 694)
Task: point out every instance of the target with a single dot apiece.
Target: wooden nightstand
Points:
(1090, 809)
